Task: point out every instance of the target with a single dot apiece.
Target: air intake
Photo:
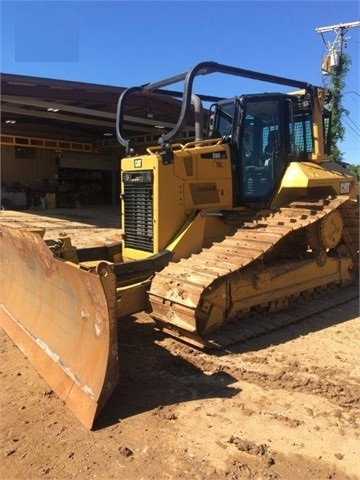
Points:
(138, 210)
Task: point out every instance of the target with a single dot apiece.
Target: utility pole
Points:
(336, 64)
(334, 49)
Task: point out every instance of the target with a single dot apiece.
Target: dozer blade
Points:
(63, 320)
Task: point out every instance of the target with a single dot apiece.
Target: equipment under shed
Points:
(58, 140)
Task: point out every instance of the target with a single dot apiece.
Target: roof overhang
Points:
(78, 111)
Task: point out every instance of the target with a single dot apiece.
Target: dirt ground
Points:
(283, 406)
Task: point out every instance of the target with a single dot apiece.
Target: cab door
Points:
(263, 152)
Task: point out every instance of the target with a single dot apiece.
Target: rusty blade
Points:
(63, 320)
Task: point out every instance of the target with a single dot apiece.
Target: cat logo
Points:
(345, 187)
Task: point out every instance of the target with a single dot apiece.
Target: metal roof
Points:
(78, 111)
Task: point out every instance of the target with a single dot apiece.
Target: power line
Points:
(353, 91)
(357, 134)
(354, 126)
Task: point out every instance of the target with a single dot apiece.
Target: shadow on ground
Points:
(152, 377)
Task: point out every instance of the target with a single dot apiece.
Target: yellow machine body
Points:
(213, 230)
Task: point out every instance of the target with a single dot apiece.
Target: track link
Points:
(200, 294)
(307, 305)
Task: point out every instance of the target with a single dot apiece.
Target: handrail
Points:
(202, 68)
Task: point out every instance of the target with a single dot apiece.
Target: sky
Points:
(130, 43)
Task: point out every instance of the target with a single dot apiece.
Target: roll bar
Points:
(202, 68)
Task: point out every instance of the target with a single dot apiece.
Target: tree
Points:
(337, 84)
(354, 170)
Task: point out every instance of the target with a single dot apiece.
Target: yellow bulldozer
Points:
(249, 215)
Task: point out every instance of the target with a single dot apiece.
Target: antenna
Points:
(335, 48)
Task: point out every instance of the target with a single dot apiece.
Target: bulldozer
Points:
(247, 215)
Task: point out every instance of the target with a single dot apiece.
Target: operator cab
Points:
(265, 132)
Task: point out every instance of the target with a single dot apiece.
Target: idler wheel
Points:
(331, 229)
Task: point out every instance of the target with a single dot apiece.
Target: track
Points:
(308, 305)
(239, 277)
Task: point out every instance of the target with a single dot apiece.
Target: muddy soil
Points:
(285, 405)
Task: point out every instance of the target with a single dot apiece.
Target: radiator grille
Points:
(138, 210)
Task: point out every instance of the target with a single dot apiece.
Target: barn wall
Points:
(31, 167)
(36, 171)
